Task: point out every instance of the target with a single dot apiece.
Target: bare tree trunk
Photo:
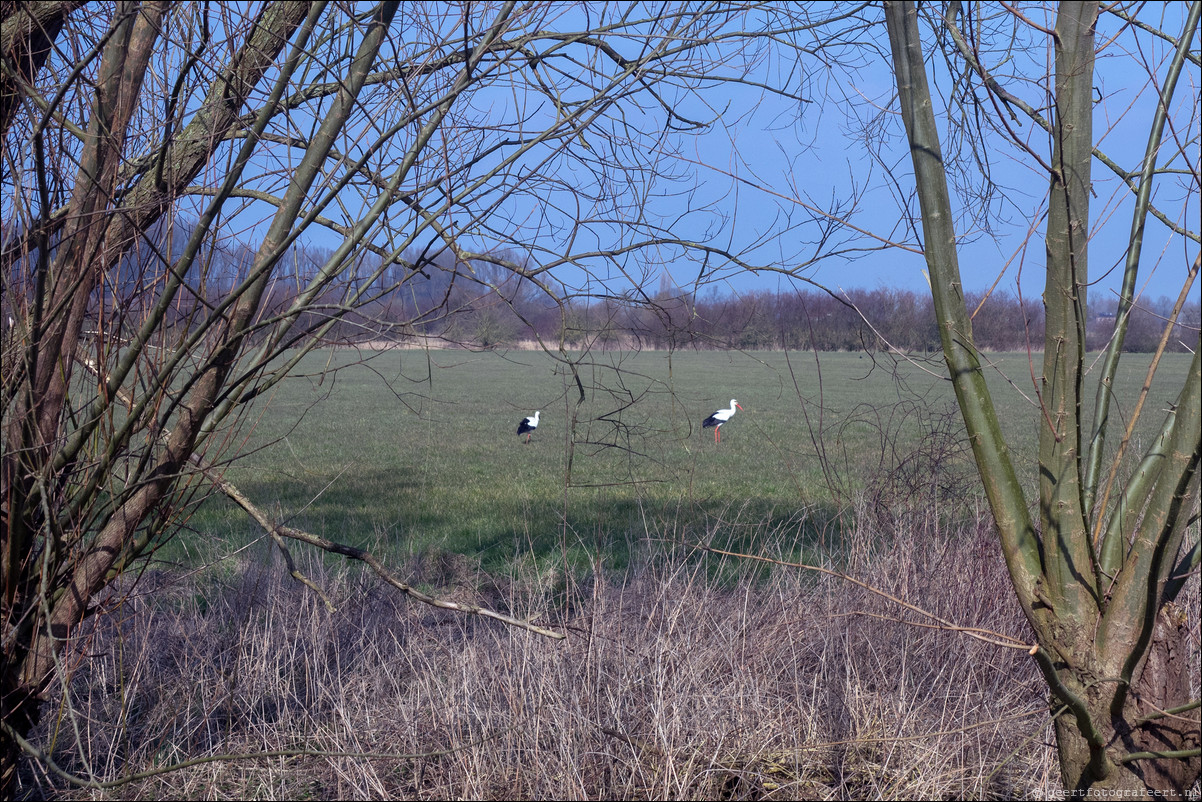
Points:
(1164, 684)
(36, 629)
(1145, 727)
(1112, 657)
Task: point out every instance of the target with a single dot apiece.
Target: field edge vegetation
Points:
(778, 685)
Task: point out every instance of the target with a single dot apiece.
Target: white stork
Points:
(720, 417)
(528, 425)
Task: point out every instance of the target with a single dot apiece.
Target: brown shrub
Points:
(671, 685)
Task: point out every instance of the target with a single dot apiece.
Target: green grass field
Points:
(409, 451)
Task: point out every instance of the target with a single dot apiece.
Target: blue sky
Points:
(761, 178)
(825, 155)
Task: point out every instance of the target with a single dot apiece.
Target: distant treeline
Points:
(484, 305)
(429, 298)
(857, 320)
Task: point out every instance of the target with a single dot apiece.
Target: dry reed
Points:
(671, 685)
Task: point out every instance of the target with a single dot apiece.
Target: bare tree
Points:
(145, 143)
(1097, 568)
(421, 150)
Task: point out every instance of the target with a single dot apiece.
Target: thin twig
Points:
(1005, 640)
(279, 530)
(44, 758)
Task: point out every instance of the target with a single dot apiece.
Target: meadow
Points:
(684, 674)
(415, 452)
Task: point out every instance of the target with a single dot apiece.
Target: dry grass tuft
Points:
(671, 685)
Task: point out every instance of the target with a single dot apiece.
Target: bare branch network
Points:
(196, 198)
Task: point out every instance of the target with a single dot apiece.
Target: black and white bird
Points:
(528, 425)
(720, 417)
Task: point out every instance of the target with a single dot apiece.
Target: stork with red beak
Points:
(720, 417)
